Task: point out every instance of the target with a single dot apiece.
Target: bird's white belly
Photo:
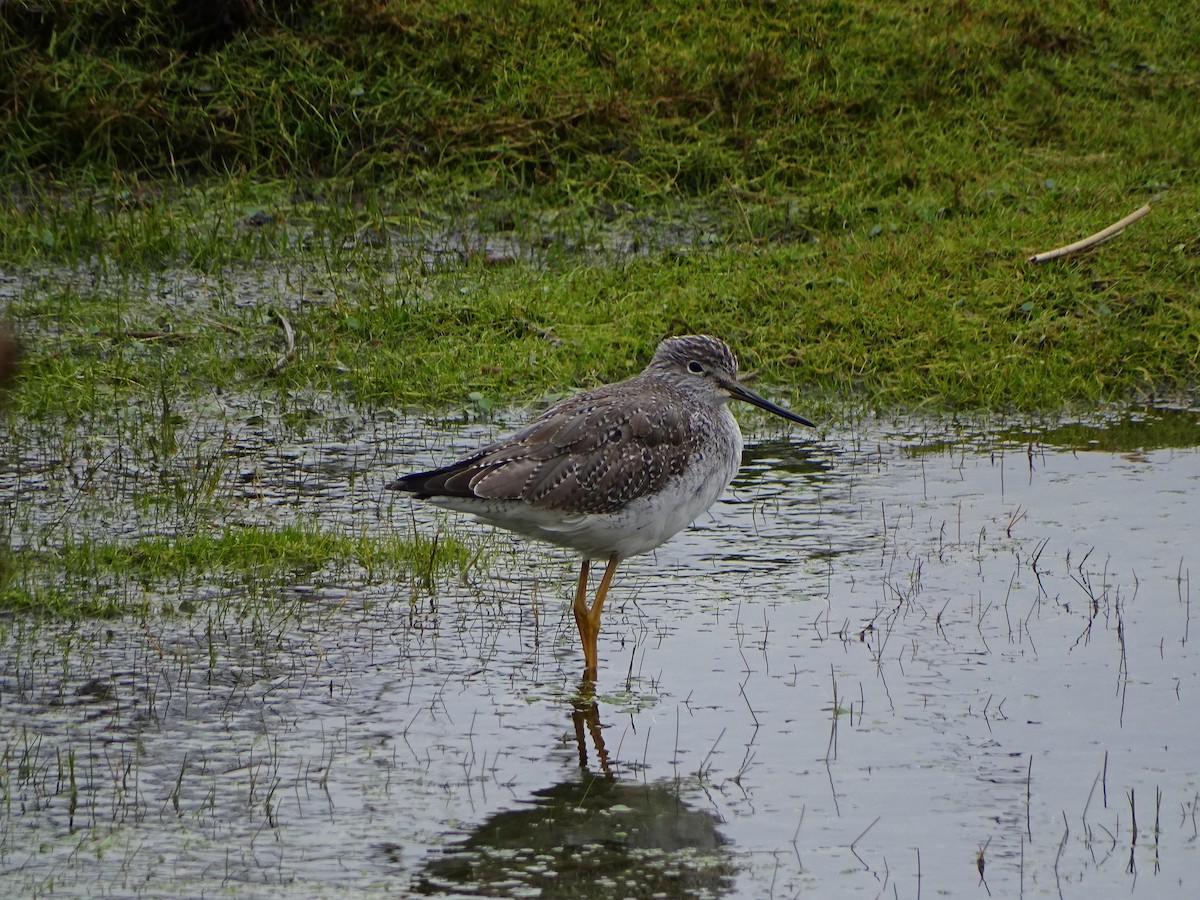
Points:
(638, 527)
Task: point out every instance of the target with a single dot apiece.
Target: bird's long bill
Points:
(741, 392)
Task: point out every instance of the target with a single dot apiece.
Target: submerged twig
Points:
(1098, 238)
(859, 838)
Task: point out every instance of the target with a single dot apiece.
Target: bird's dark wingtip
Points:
(409, 483)
(434, 483)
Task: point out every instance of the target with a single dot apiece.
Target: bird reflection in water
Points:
(588, 836)
(585, 715)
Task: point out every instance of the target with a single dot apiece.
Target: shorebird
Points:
(613, 471)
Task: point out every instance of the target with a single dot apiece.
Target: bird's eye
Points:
(695, 368)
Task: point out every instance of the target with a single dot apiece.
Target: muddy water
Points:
(900, 659)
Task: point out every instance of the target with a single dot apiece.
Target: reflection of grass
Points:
(1120, 430)
(83, 578)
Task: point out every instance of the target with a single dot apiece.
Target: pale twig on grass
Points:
(1098, 238)
(290, 338)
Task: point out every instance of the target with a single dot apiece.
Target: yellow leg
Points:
(582, 622)
(588, 618)
(594, 613)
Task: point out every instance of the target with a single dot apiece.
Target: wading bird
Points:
(610, 472)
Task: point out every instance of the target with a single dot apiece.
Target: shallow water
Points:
(905, 658)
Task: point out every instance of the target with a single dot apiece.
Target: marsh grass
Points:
(931, 311)
(142, 499)
(465, 207)
(92, 577)
(259, 550)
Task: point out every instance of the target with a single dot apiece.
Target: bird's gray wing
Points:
(591, 453)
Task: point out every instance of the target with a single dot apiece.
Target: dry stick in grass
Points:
(168, 336)
(290, 337)
(1098, 238)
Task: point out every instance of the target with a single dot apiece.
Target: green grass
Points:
(102, 578)
(845, 191)
(921, 308)
(258, 550)
(936, 319)
(847, 102)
